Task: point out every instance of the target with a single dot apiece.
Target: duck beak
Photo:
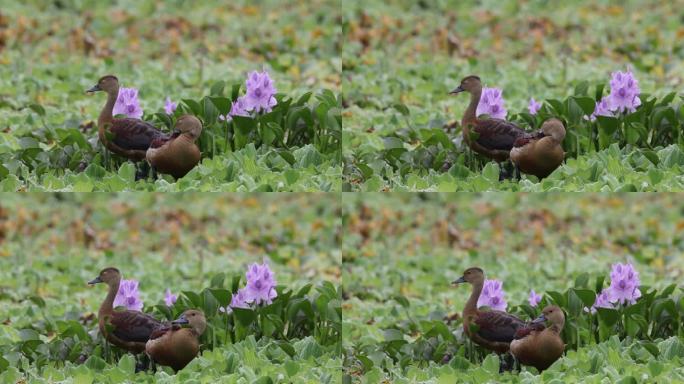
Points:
(95, 88)
(180, 320)
(541, 319)
(459, 89)
(460, 280)
(95, 281)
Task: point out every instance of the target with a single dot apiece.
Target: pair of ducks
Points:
(165, 343)
(531, 343)
(536, 153)
(134, 139)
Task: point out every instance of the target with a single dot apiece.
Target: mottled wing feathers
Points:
(159, 141)
(497, 325)
(527, 329)
(527, 137)
(133, 325)
(134, 134)
(496, 133)
(159, 332)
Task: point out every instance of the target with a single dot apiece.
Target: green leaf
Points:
(402, 108)
(37, 108)
(491, 364)
(194, 106)
(217, 88)
(245, 316)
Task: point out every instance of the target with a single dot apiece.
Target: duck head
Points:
(554, 128)
(553, 314)
(189, 125)
(107, 83)
(473, 275)
(469, 84)
(195, 318)
(110, 276)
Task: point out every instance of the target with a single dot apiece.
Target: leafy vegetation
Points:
(401, 251)
(398, 68)
(198, 57)
(197, 246)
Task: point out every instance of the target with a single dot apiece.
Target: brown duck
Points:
(537, 345)
(178, 154)
(494, 137)
(540, 153)
(174, 346)
(493, 330)
(130, 330)
(130, 137)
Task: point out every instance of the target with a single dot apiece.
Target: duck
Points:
(126, 137)
(491, 329)
(494, 137)
(175, 346)
(178, 154)
(540, 153)
(537, 345)
(130, 330)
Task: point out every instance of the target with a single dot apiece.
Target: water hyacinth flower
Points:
(623, 97)
(602, 109)
(491, 103)
(127, 103)
(624, 284)
(239, 300)
(260, 92)
(260, 284)
(492, 296)
(602, 301)
(624, 92)
(169, 107)
(534, 298)
(169, 299)
(534, 106)
(128, 296)
(238, 108)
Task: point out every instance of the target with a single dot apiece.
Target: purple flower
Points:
(602, 301)
(260, 284)
(491, 103)
(239, 300)
(624, 92)
(238, 108)
(169, 299)
(624, 284)
(127, 103)
(260, 92)
(128, 296)
(623, 97)
(534, 298)
(602, 109)
(534, 106)
(492, 296)
(169, 107)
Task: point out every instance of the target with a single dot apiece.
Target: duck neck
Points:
(556, 328)
(106, 113)
(107, 306)
(470, 112)
(471, 304)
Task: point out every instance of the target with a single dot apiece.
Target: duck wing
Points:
(160, 141)
(527, 329)
(159, 332)
(134, 133)
(497, 325)
(133, 325)
(497, 133)
(527, 137)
